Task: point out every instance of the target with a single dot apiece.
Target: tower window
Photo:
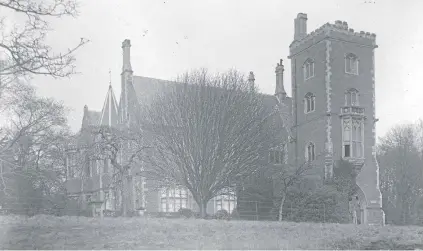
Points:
(351, 64)
(351, 97)
(308, 69)
(309, 103)
(310, 152)
(352, 135)
(277, 157)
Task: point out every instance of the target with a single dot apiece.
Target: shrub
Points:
(185, 212)
(222, 215)
(235, 215)
(109, 213)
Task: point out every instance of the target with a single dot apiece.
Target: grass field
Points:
(48, 232)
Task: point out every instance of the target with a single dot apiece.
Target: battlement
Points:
(339, 27)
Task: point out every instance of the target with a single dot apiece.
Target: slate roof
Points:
(146, 88)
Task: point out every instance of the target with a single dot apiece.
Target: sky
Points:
(169, 37)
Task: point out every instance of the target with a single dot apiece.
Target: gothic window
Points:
(308, 69)
(310, 152)
(276, 157)
(351, 97)
(173, 199)
(351, 64)
(353, 137)
(71, 173)
(309, 103)
(72, 159)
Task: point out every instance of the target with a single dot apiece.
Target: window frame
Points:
(308, 69)
(347, 61)
(276, 156)
(353, 138)
(309, 103)
(312, 153)
(173, 198)
(349, 97)
(226, 201)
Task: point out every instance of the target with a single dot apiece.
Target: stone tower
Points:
(333, 108)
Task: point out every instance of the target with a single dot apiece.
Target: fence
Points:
(244, 210)
(268, 211)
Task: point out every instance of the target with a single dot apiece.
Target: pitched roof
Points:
(109, 113)
(146, 88)
(93, 117)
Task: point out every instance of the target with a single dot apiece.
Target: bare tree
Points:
(30, 144)
(208, 133)
(24, 48)
(401, 173)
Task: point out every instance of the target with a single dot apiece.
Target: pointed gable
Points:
(109, 114)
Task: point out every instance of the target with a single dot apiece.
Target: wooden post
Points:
(256, 211)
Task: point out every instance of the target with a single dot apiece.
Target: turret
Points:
(280, 92)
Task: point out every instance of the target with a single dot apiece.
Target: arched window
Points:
(310, 152)
(309, 102)
(308, 69)
(351, 64)
(352, 97)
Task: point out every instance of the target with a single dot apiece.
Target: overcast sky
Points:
(221, 34)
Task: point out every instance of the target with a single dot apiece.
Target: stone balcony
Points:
(352, 111)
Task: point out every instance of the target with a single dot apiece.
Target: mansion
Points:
(329, 117)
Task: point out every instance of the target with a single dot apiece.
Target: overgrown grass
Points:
(47, 232)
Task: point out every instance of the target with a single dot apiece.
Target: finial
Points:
(251, 76)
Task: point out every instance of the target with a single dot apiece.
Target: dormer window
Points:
(351, 64)
(309, 102)
(308, 69)
(351, 97)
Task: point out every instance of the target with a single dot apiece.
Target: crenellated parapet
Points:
(337, 31)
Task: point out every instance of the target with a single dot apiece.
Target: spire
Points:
(280, 90)
(109, 114)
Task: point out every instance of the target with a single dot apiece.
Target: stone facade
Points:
(343, 60)
(325, 65)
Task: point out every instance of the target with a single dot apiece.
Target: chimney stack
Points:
(251, 80)
(280, 90)
(126, 46)
(300, 24)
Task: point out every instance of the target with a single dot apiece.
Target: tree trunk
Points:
(203, 209)
(122, 196)
(281, 205)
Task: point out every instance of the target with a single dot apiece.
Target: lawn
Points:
(48, 232)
